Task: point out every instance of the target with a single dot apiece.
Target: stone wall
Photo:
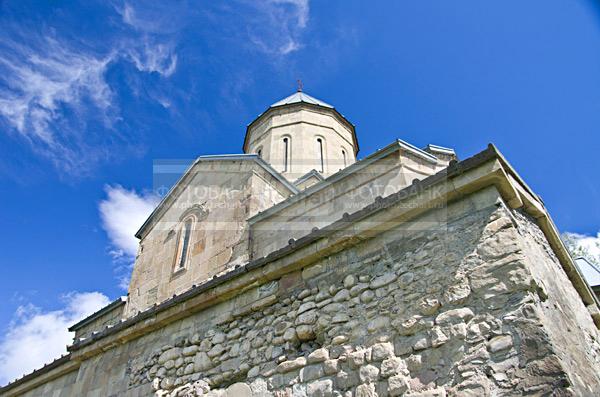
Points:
(458, 302)
(560, 312)
(64, 386)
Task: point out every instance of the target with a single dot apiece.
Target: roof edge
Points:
(306, 176)
(37, 372)
(106, 309)
(440, 149)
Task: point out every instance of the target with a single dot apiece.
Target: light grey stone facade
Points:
(450, 283)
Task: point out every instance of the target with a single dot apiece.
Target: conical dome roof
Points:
(298, 97)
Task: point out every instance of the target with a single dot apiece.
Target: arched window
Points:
(259, 152)
(286, 154)
(344, 157)
(320, 154)
(183, 244)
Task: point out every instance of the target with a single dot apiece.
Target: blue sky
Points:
(92, 92)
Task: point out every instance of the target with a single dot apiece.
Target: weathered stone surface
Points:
(501, 342)
(318, 356)
(239, 390)
(309, 317)
(367, 296)
(393, 366)
(429, 306)
(454, 316)
(330, 367)
(368, 373)
(383, 280)
(321, 388)
(349, 281)
(366, 391)
(338, 340)
(291, 365)
(381, 351)
(305, 332)
(306, 307)
(438, 337)
(190, 350)
(168, 355)
(342, 295)
(216, 351)
(397, 385)
(311, 372)
(202, 362)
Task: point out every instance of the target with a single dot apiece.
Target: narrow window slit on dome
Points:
(285, 154)
(320, 149)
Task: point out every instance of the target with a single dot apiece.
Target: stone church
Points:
(295, 269)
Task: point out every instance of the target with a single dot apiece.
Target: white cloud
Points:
(150, 57)
(122, 213)
(55, 96)
(279, 25)
(43, 80)
(154, 17)
(152, 20)
(54, 92)
(36, 337)
(584, 245)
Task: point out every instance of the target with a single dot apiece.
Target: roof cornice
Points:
(308, 175)
(106, 309)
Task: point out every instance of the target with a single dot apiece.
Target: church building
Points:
(295, 269)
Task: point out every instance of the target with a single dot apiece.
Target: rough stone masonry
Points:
(452, 283)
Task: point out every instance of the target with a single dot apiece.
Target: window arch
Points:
(259, 152)
(344, 158)
(184, 241)
(287, 142)
(320, 154)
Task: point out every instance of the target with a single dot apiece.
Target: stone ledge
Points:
(48, 372)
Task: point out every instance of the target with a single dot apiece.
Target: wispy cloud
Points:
(279, 25)
(54, 94)
(59, 94)
(156, 25)
(36, 337)
(150, 57)
(122, 213)
(40, 84)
